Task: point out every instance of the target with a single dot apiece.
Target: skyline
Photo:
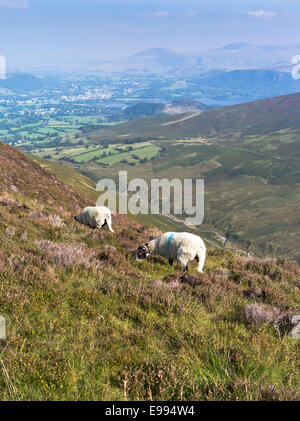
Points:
(48, 32)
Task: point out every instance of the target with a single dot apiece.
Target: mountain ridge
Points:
(228, 57)
(256, 117)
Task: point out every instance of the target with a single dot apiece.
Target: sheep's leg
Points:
(171, 261)
(108, 221)
(184, 264)
(185, 268)
(183, 260)
(201, 259)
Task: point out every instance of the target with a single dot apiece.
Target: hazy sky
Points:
(39, 32)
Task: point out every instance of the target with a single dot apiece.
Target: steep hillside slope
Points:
(85, 320)
(20, 175)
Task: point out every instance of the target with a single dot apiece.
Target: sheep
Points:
(181, 246)
(95, 217)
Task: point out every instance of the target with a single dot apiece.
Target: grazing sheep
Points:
(181, 246)
(95, 217)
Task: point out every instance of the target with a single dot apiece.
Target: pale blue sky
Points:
(44, 31)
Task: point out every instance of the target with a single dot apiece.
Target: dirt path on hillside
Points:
(195, 114)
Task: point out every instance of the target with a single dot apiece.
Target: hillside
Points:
(248, 155)
(251, 118)
(250, 84)
(144, 109)
(20, 83)
(86, 321)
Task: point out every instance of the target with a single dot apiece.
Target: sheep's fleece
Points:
(95, 217)
(181, 246)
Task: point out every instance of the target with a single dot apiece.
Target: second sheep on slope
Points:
(95, 217)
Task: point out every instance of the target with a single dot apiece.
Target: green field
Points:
(27, 134)
(137, 154)
(110, 155)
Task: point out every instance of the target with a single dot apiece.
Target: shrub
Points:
(65, 254)
(262, 313)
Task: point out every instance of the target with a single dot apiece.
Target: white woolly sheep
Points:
(95, 217)
(180, 246)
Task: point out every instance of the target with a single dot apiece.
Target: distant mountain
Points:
(18, 82)
(228, 57)
(248, 56)
(154, 60)
(253, 83)
(221, 87)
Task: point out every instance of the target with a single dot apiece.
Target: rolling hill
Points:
(229, 57)
(86, 321)
(20, 83)
(248, 84)
(257, 117)
(145, 109)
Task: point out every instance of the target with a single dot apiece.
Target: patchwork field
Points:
(25, 133)
(103, 155)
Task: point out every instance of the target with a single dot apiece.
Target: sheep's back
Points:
(171, 242)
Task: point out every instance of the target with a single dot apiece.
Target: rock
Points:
(258, 314)
(220, 274)
(14, 188)
(10, 232)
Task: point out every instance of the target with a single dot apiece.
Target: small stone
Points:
(10, 232)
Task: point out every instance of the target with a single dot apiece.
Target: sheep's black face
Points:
(142, 252)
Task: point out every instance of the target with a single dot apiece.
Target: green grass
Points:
(109, 155)
(147, 152)
(87, 156)
(113, 159)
